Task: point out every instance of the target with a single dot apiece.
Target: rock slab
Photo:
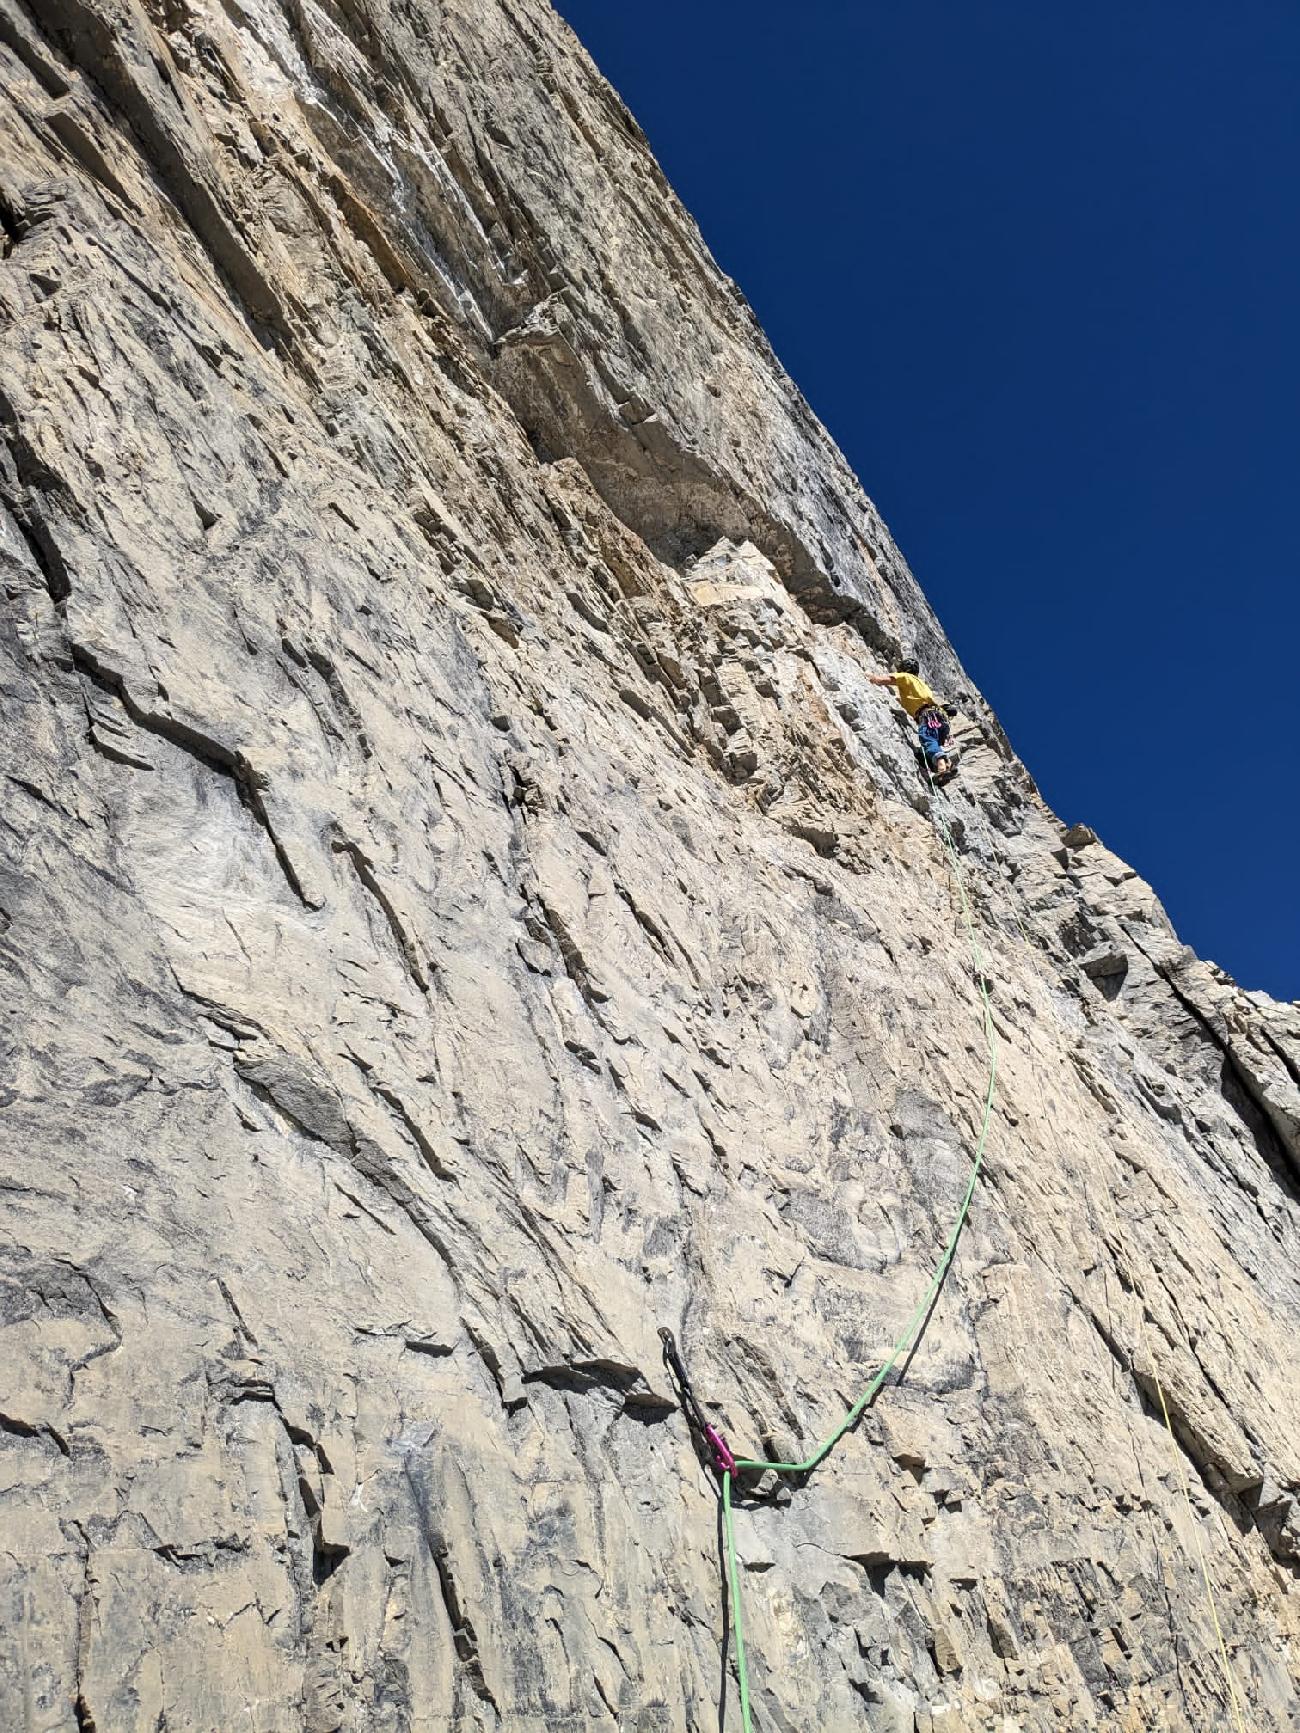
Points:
(463, 907)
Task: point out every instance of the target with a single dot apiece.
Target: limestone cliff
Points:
(462, 907)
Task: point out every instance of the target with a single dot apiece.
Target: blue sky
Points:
(1038, 270)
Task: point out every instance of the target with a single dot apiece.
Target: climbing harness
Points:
(724, 1461)
(933, 719)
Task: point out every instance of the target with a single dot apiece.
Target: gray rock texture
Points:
(462, 907)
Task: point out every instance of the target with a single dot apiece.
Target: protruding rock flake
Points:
(464, 908)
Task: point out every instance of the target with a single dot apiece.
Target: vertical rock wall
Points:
(462, 907)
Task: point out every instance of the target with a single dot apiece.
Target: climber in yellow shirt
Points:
(922, 706)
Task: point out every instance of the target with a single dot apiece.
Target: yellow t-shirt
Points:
(913, 693)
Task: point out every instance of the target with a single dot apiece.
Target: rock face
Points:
(462, 907)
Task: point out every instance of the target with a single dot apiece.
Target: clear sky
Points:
(1037, 268)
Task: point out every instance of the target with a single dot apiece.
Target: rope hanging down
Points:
(725, 1463)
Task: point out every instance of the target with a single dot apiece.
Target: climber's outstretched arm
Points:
(882, 679)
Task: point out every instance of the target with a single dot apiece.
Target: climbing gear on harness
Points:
(725, 1463)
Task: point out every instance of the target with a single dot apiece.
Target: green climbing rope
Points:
(736, 1617)
(913, 1325)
